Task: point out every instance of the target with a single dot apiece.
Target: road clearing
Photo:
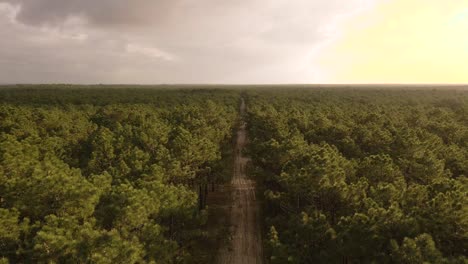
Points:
(245, 245)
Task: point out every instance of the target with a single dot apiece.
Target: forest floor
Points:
(245, 243)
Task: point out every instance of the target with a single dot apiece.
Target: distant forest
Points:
(345, 175)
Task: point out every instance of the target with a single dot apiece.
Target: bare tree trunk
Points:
(206, 195)
(200, 197)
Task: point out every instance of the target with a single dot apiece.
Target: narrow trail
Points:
(246, 241)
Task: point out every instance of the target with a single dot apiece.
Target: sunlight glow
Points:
(402, 41)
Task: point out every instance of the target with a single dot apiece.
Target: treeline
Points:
(362, 176)
(109, 175)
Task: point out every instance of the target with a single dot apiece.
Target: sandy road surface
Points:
(246, 242)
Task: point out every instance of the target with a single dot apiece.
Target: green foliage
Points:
(362, 176)
(107, 175)
(419, 250)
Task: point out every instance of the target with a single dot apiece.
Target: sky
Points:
(234, 42)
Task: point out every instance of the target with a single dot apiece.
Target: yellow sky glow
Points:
(402, 41)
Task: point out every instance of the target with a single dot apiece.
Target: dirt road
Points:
(246, 242)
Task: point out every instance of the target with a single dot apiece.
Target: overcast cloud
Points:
(167, 41)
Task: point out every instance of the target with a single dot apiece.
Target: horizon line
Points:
(238, 84)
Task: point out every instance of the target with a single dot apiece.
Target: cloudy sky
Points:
(227, 41)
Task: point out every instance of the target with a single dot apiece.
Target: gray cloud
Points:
(164, 41)
(101, 13)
